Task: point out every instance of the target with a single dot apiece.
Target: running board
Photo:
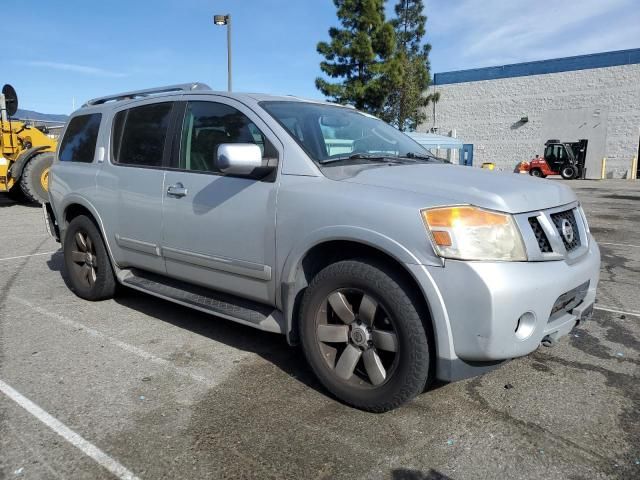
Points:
(209, 301)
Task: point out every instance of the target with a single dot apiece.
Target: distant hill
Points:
(31, 115)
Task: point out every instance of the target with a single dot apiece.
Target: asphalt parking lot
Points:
(142, 387)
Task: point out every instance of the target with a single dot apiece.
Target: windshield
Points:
(328, 132)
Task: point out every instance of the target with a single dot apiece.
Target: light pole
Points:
(226, 20)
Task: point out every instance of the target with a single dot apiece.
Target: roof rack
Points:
(182, 87)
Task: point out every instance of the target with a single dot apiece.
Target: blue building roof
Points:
(555, 65)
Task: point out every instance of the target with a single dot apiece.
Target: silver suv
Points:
(324, 224)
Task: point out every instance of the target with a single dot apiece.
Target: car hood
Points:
(454, 184)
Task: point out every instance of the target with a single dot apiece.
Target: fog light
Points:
(525, 325)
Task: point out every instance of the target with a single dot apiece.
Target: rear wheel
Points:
(363, 336)
(535, 172)
(569, 172)
(86, 261)
(34, 181)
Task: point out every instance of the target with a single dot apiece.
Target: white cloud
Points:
(494, 32)
(72, 67)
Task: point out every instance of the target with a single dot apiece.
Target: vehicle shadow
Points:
(7, 201)
(408, 474)
(270, 346)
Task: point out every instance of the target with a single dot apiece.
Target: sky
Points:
(64, 52)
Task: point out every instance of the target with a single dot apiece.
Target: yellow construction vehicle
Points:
(26, 153)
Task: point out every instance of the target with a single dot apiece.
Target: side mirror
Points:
(238, 158)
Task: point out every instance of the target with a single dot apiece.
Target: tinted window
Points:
(207, 125)
(139, 134)
(79, 142)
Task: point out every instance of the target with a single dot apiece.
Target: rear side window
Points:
(139, 134)
(79, 142)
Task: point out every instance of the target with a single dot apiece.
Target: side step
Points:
(247, 312)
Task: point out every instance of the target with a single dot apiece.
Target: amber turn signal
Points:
(441, 238)
(463, 216)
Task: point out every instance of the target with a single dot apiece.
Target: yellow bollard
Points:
(634, 169)
(604, 167)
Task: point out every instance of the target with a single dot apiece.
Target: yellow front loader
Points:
(26, 154)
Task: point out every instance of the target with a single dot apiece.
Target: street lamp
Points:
(226, 20)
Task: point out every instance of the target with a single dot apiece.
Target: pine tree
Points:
(405, 104)
(360, 55)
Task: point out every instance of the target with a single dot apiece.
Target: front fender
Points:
(291, 280)
(348, 233)
(18, 166)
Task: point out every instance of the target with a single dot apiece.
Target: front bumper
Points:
(50, 221)
(485, 303)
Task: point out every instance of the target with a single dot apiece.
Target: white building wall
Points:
(487, 113)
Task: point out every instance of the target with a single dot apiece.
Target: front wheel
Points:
(363, 335)
(535, 172)
(34, 181)
(569, 172)
(87, 264)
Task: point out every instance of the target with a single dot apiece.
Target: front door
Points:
(219, 231)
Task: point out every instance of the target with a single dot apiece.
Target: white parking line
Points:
(27, 256)
(69, 435)
(619, 244)
(124, 346)
(613, 310)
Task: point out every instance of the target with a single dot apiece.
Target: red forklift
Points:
(561, 158)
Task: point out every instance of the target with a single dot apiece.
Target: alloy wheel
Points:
(357, 338)
(85, 262)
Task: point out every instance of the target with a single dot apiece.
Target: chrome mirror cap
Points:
(238, 158)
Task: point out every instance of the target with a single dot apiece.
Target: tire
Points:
(536, 172)
(569, 172)
(89, 277)
(34, 174)
(393, 362)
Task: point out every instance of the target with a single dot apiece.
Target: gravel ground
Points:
(166, 392)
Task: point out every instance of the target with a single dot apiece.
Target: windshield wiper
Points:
(425, 156)
(420, 156)
(359, 156)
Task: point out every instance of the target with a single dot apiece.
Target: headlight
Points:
(471, 233)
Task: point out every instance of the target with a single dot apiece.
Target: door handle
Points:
(177, 190)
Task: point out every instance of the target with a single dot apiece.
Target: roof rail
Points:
(182, 87)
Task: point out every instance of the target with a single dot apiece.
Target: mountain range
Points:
(31, 115)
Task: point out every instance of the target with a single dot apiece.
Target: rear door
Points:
(131, 186)
(219, 231)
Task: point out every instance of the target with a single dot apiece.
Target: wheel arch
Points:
(18, 166)
(75, 206)
(328, 251)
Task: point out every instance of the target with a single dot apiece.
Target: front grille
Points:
(541, 237)
(558, 220)
(571, 299)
